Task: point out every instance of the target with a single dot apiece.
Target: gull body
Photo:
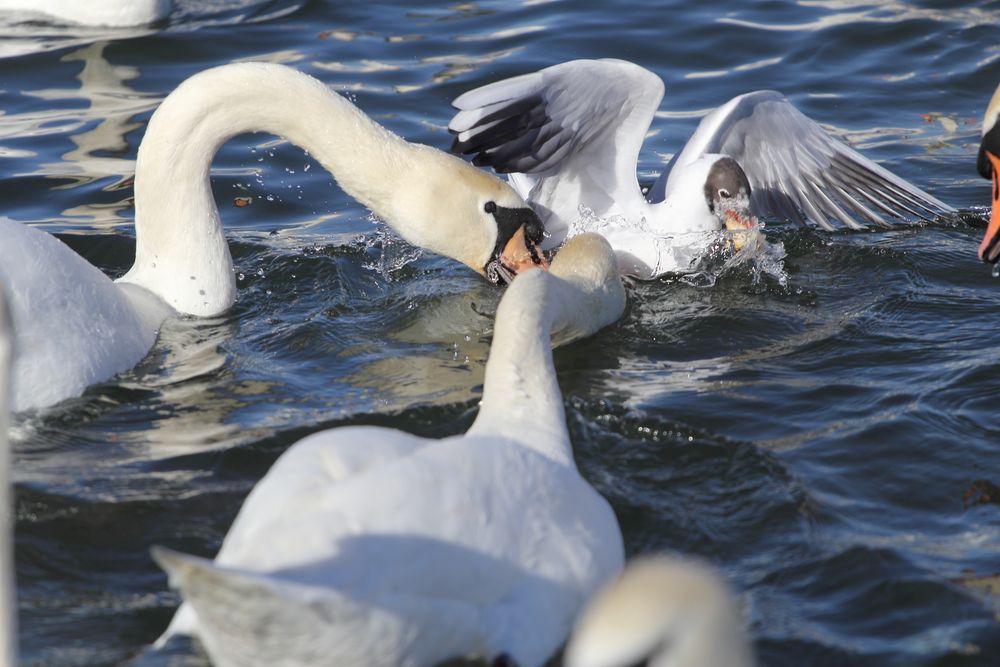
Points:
(569, 137)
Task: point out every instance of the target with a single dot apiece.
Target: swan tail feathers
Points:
(247, 618)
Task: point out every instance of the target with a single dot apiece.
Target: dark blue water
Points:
(828, 440)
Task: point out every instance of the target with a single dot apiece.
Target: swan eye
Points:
(490, 207)
(724, 193)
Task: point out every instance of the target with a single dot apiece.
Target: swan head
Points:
(988, 164)
(661, 612)
(727, 194)
(469, 215)
(588, 262)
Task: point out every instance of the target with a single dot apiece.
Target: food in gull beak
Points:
(740, 225)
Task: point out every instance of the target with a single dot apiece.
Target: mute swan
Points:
(77, 327)
(988, 162)
(569, 136)
(105, 13)
(661, 612)
(368, 546)
(8, 614)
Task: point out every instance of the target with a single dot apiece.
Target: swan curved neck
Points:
(521, 397)
(181, 251)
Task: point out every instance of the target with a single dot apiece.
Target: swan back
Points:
(8, 619)
(663, 612)
(105, 13)
(75, 326)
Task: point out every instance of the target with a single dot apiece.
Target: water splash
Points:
(589, 221)
(749, 252)
(393, 252)
(695, 258)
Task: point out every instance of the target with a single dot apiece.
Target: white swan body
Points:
(569, 135)
(103, 13)
(367, 546)
(661, 612)
(8, 607)
(76, 326)
(79, 328)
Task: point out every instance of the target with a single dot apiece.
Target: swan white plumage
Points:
(8, 609)
(368, 546)
(988, 165)
(102, 13)
(661, 611)
(77, 327)
(569, 136)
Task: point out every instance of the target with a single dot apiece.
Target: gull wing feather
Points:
(576, 128)
(797, 170)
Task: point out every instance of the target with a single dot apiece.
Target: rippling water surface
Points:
(827, 435)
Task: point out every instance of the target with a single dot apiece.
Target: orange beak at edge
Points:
(989, 248)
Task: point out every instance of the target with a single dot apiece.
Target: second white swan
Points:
(365, 546)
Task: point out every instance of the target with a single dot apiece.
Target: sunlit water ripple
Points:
(823, 430)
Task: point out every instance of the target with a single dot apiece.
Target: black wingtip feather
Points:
(503, 133)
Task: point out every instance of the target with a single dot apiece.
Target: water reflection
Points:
(97, 130)
(866, 11)
(18, 38)
(456, 330)
(171, 404)
(100, 150)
